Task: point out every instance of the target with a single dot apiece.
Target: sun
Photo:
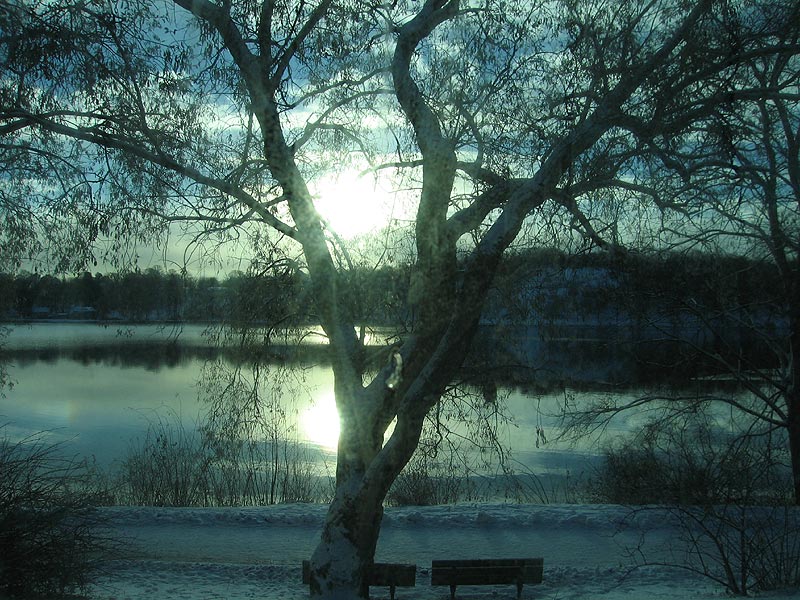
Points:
(320, 422)
(352, 204)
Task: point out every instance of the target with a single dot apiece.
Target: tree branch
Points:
(297, 42)
(111, 142)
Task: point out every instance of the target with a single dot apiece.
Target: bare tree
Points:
(751, 153)
(733, 175)
(509, 121)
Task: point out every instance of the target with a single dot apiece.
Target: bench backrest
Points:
(381, 574)
(488, 571)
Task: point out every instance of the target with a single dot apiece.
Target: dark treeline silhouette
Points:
(592, 282)
(630, 318)
(158, 295)
(551, 289)
(593, 318)
(150, 295)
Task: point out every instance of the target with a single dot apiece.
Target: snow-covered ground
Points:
(238, 553)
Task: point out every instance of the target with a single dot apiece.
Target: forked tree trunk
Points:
(365, 470)
(793, 431)
(347, 547)
(793, 391)
(794, 449)
(352, 524)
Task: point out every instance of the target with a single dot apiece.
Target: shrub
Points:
(729, 497)
(421, 484)
(51, 538)
(629, 475)
(173, 466)
(298, 482)
(689, 463)
(166, 469)
(743, 548)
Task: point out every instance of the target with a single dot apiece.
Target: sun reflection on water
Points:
(320, 422)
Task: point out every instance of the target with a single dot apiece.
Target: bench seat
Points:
(494, 571)
(391, 575)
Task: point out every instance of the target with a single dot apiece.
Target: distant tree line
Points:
(549, 284)
(546, 284)
(149, 295)
(158, 295)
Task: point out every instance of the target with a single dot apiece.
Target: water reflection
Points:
(97, 407)
(319, 422)
(101, 387)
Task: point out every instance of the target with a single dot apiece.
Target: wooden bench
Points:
(389, 575)
(487, 572)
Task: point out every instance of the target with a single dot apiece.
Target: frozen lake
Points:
(100, 387)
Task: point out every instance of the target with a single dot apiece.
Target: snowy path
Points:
(237, 554)
(288, 545)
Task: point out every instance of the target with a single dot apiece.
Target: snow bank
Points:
(248, 553)
(459, 515)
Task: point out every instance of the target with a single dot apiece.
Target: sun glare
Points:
(353, 205)
(320, 422)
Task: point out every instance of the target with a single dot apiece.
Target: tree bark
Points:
(347, 545)
(792, 392)
(365, 470)
(793, 428)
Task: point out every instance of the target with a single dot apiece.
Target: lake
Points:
(98, 388)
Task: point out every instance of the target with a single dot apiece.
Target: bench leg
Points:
(391, 592)
(519, 590)
(452, 592)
